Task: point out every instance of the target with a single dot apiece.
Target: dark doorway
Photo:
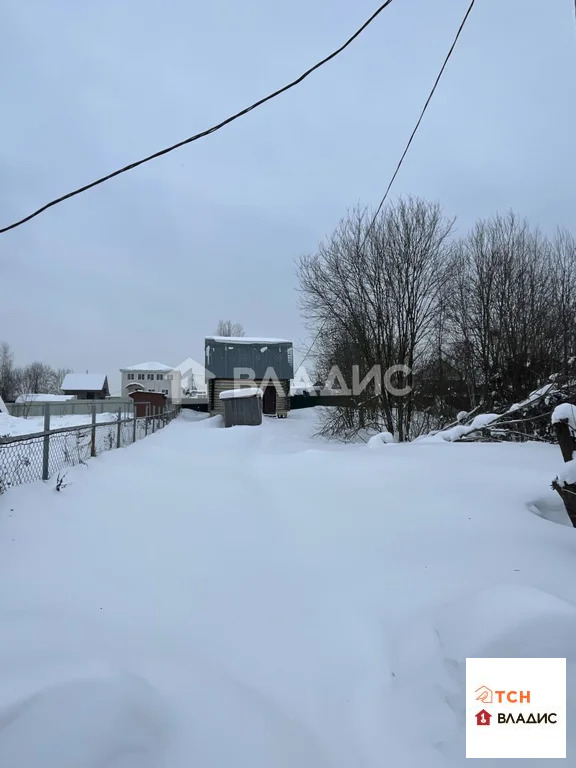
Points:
(269, 401)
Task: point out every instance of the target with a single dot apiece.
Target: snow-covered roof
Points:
(147, 392)
(245, 340)
(84, 381)
(39, 398)
(148, 367)
(234, 394)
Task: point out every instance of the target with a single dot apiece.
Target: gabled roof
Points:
(148, 367)
(76, 382)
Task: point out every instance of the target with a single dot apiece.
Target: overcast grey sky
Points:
(144, 266)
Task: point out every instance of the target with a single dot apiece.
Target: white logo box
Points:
(516, 708)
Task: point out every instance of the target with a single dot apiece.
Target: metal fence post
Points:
(134, 421)
(46, 446)
(146, 420)
(93, 433)
(119, 433)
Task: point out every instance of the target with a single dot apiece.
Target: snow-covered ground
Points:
(256, 597)
(11, 426)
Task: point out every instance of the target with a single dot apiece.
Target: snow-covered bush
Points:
(382, 438)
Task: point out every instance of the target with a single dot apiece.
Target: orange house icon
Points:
(483, 717)
(484, 694)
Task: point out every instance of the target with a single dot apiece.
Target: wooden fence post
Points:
(564, 437)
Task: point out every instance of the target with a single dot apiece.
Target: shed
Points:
(242, 406)
(148, 403)
(263, 363)
(86, 386)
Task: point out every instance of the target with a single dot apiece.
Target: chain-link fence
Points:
(47, 454)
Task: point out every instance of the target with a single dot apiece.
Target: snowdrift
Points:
(259, 597)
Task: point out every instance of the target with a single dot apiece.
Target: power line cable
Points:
(408, 145)
(207, 132)
(313, 342)
(419, 121)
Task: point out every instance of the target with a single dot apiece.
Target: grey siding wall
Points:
(223, 358)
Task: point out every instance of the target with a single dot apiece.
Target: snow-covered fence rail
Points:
(530, 419)
(34, 408)
(42, 455)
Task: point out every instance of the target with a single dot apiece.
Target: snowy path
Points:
(254, 597)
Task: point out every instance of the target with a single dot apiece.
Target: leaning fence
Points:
(46, 454)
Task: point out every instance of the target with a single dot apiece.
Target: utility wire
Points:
(207, 132)
(419, 121)
(313, 342)
(408, 145)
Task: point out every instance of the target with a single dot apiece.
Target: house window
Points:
(164, 391)
(130, 377)
(140, 377)
(150, 376)
(159, 377)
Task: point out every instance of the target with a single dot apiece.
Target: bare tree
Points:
(39, 378)
(33, 378)
(480, 321)
(374, 292)
(7, 373)
(502, 310)
(563, 290)
(55, 379)
(228, 328)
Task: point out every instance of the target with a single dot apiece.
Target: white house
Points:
(152, 377)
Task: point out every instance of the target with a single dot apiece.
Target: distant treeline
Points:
(32, 378)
